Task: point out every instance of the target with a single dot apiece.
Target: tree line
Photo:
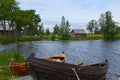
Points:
(108, 27)
(61, 31)
(28, 22)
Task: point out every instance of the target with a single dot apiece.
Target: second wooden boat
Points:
(17, 68)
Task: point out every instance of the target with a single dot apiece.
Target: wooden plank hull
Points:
(18, 68)
(42, 69)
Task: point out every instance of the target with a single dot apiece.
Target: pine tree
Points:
(64, 29)
(47, 31)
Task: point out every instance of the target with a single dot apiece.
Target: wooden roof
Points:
(78, 31)
(7, 28)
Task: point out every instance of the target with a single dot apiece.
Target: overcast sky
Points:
(77, 12)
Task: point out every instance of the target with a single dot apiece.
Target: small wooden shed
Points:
(78, 33)
(98, 31)
(8, 32)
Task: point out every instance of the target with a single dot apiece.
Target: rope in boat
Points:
(73, 69)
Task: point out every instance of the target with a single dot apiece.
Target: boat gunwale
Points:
(91, 66)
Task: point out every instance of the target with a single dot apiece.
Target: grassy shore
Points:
(6, 40)
(5, 57)
(89, 37)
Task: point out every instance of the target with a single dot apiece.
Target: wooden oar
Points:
(75, 73)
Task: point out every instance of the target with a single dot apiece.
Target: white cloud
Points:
(76, 11)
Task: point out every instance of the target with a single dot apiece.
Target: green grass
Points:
(118, 36)
(89, 37)
(27, 38)
(5, 57)
(94, 36)
(6, 40)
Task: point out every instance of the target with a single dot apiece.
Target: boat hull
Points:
(18, 68)
(42, 69)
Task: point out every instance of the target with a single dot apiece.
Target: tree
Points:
(41, 30)
(47, 31)
(108, 26)
(118, 29)
(27, 18)
(102, 21)
(92, 25)
(34, 20)
(53, 36)
(64, 29)
(12, 16)
(21, 19)
(56, 29)
(25, 30)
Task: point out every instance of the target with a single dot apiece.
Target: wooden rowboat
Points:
(18, 68)
(42, 69)
(58, 58)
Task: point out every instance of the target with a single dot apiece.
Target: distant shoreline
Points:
(7, 40)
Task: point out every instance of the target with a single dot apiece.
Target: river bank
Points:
(7, 40)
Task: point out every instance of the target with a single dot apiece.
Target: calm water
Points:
(91, 51)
